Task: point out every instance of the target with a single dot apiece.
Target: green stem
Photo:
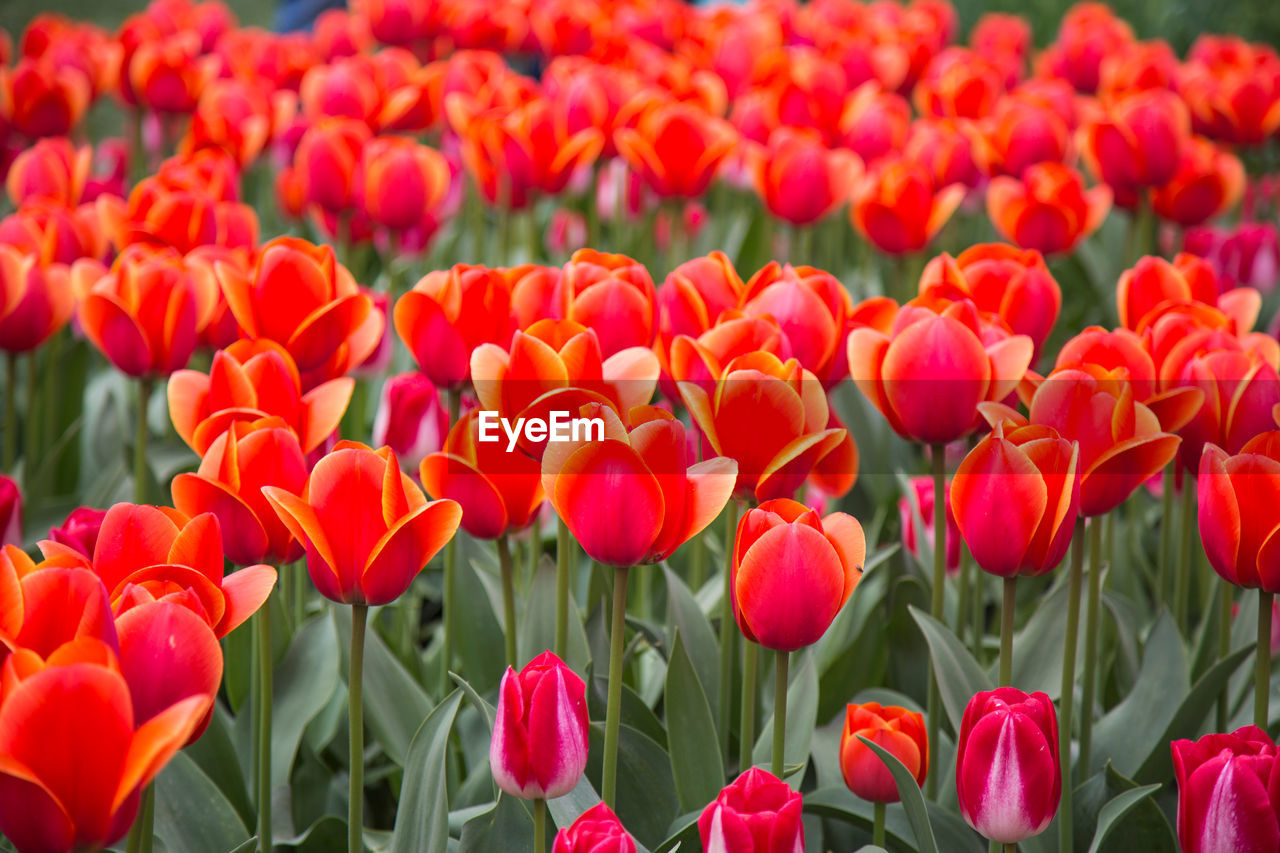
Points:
(962, 608)
(1006, 630)
(1091, 628)
(265, 681)
(10, 412)
(450, 575)
(355, 693)
(539, 825)
(140, 475)
(747, 736)
(613, 712)
(508, 598)
(877, 826)
(1182, 578)
(978, 600)
(933, 705)
(477, 224)
(533, 239)
(1226, 593)
(776, 767)
(1067, 699)
(300, 579)
(728, 628)
(32, 449)
(563, 544)
(141, 834)
(1262, 663)
(697, 563)
(1011, 848)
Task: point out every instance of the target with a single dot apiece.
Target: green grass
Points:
(14, 14)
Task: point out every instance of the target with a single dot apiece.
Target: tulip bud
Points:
(80, 529)
(410, 418)
(539, 747)
(1008, 779)
(10, 512)
(1239, 497)
(757, 813)
(792, 572)
(597, 830)
(1228, 792)
(923, 501)
(892, 728)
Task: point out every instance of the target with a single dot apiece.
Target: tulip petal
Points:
(788, 587)
(406, 548)
(610, 501)
(246, 591)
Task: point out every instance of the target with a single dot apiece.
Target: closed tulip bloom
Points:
(448, 314)
(1016, 497)
(50, 169)
(45, 301)
(326, 161)
(1020, 134)
(788, 405)
(299, 296)
(367, 527)
(1049, 209)
(74, 753)
(800, 180)
(402, 180)
(1154, 285)
(812, 310)
(894, 729)
(539, 746)
(1012, 283)
(50, 605)
(1088, 33)
(79, 530)
(411, 419)
(249, 381)
(1241, 388)
(1238, 512)
(611, 294)
(947, 149)
(167, 75)
(1233, 89)
(597, 830)
(696, 293)
(921, 500)
(637, 495)
(936, 364)
(1228, 792)
(1209, 180)
(44, 100)
(792, 572)
(875, 123)
(1137, 143)
(1007, 776)
(499, 492)
(756, 813)
(677, 148)
(896, 207)
(959, 83)
(229, 484)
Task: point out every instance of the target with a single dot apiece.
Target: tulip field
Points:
(633, 426)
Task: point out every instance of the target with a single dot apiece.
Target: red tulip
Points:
(786, 403)
(402, 181)
(756, 813)
(539, 746)
(56, 234)
(1137, 143)
(938, 361)
(894, 729)
(1240, 387)
(1007, 776)
(792, 572)
(677, 148)
(45, 100)
(51, 169)
(47, 606)
(1005, 40)
(1238, 512)
(1232, 88)
(959, 83)
(1208, 181)
(247, 382)
(597, 830)
(1020, 134)
(448, 314)
(800, 180)
(658, 496)
(367, 527)
(44, 300)
(812, 310)
(695, 294)
(1089, 32)
(1016, 497)
(921, 501)
(74, 753)
(1049, 209)
(613, 295)
(1228, 792)
(326, 161)
(410, 419)
(896, 208)
(167, 75)
(875, 123)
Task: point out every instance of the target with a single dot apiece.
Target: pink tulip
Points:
(1228, 792)
(597, 830)
(539, 747)
(410, 419)
(757, 813)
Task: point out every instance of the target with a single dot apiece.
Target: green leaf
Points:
(479, 644)
(247, 847)
(506, 826)
(394, 704)
(1037, 659)
(192, 816)
(952, 834)
(422, 822)
(304, 681)
(647, 801)
(1144, 825)
(1129, 733)
(688, 619)
(536, 630)
(959, 675)
(802, 717)
(912, 799)
(696, 763)
(215, 754)
(1115, 809)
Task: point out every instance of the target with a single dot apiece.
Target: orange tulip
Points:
(695, 294)
(1019, 134)
(1015, 498)
(402, 181)
(792, 572)
(367, 527)
(1014, 284)
(1137, 143)
(1241, 388)
(45, 100)
(800, 180)
(238, 116)
(959, 83)
(51, 169)
(701, 360)
(35, 301)
(326, 160)
(892, 728)
(347, 88)
(946, 149)
(1153, 286)
(1049, 209)
(58, 234)
(301, 297)
(637, 495)
(788, 410)
(1089, 32)
(896, 208)
(1238, 496)
(248, 382)
(612, 295)
(449, 313)
(676, 148)
(49, 606)
(1005, 41)
(168, 75)
(1208, 181)
(937, 362)
(1232, 89)
(811, 309)
(229, 484)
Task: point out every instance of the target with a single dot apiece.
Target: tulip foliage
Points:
(627, 425)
